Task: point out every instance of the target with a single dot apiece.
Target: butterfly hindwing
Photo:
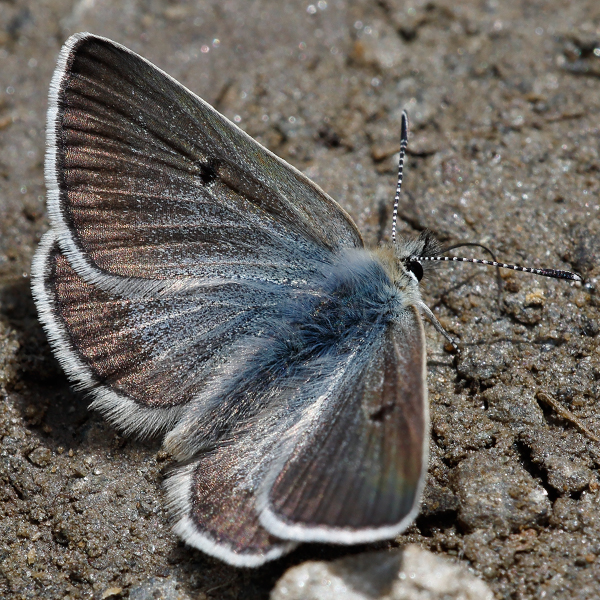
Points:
(214, 509)
(144, 357)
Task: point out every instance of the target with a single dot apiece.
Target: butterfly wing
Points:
(148, 182)
(357, 473)
(215, 508)
(143, 357)
(178, 250)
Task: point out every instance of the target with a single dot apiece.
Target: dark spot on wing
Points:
(382, 412)
(208, 172)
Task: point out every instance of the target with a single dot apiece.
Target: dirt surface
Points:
(504, 101)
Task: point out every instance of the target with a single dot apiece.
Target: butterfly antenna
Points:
(556, 273)
(403, 145)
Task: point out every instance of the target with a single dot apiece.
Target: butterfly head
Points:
(407, 254)
(403, 264)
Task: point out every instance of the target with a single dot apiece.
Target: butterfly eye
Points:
(416, 269)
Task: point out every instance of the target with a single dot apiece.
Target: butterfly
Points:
(199, 287)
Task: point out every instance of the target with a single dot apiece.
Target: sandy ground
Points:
(504, 100)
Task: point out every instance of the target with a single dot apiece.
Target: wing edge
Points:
(118, 409)
(178, 493)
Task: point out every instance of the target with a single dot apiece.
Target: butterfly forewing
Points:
(148, 181)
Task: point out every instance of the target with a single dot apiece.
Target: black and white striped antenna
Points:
(556, 273)
(403, 145)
